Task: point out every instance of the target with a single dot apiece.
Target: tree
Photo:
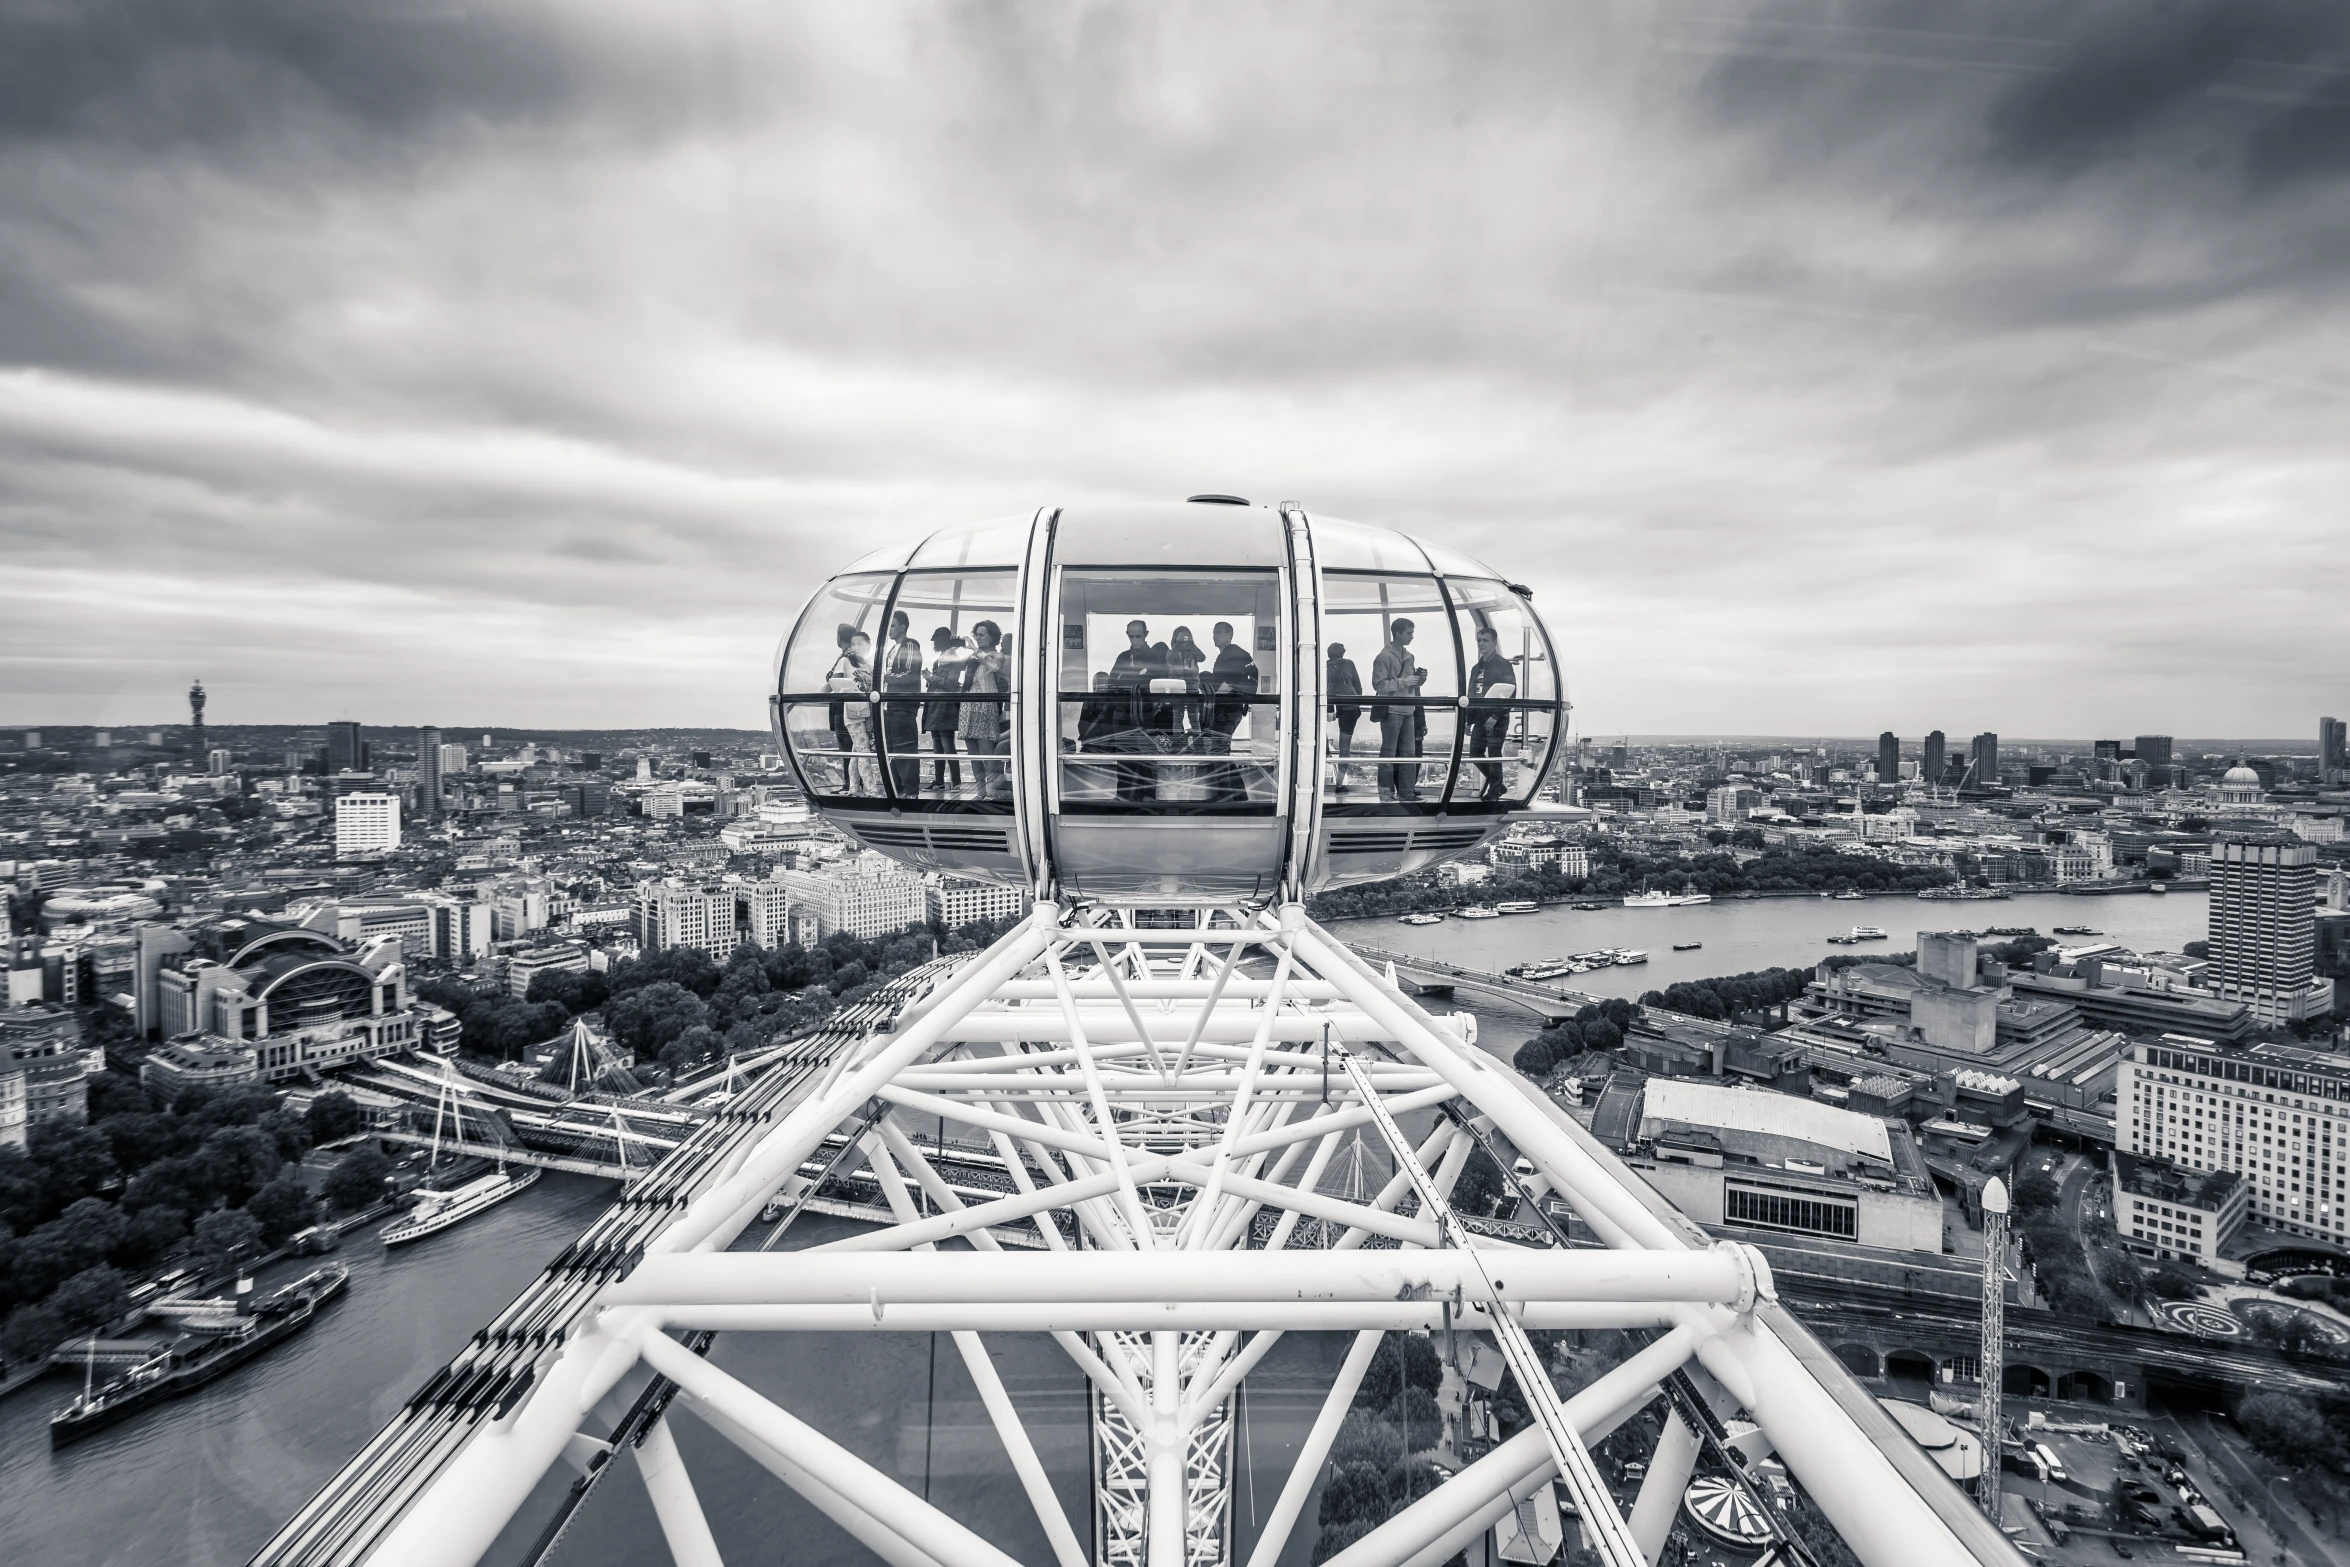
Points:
(91, 1297)
(357, 1180)
(289, 1130)
(75, 1162)
(21, 1193)
(1403, 1360)
(647, 1019)
(30, 1333)
(1480, 1185)
(141, 1138)
(1600, 1034)
(81, 1237)
(333, 1116)
(224, 1234)
(2036, 1192)
(1534, 1057)
(170, 1183)
(283, 1207)
(238, 1161)
(2288, 1429)
(152, 1232)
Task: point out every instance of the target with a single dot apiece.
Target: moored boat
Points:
(195, 1358)
(1517, 906)
(1477, 911)
(1421, 919)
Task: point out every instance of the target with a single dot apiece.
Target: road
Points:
(2214, 1452)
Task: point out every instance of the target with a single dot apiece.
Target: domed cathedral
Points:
(2240, 786)
(1196, 703)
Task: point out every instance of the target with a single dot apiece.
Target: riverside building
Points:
(2278, 1115)
(2263, 928)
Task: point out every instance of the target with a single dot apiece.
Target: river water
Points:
(205, 1480)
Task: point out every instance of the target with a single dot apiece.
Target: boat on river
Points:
(209, 1348)
(1869, 933)
(1687, 898)
(1587, 908)
(1477, 911)
(1961, 894)
(1547, 968)
(1517, 906)
(1629, 956)
(1849, 896)
(1687, 946)
(437, 1211)
(1421, 919)
(1648, 900)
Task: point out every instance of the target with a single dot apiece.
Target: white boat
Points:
(1868, 933)
(1421, 919)
(1648, 900)
(1518, 906)
(436, 1211)
(1548, 968)
(1849, 897)
(1629, 957)
(1477, 911)
(1693, 897)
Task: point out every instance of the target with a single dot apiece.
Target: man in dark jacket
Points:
(1491, 677)
(1232, 675)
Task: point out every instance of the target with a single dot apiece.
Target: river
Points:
(1738, 936)
(205, 1480)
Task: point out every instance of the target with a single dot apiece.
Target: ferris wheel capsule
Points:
(1192, 703)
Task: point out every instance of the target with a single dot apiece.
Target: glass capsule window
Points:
(1391, 682)
(1169, 691)
(1512, 691)
(896, 689)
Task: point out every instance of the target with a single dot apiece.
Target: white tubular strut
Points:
(674, 1502)
(1661, 1489)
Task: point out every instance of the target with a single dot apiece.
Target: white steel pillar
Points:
(674, 1502)
(1669, 1469)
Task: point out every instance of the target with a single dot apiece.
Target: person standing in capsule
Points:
(949, 668)
(983, 722)
(1233, 675)
(901, 713)
(1395, 674)
(1490, 679)
(1340, 682)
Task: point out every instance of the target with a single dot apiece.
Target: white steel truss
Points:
(1162, 1112)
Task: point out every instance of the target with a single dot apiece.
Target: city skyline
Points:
(1794, 360)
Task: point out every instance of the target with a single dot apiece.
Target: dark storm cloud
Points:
(397, 355)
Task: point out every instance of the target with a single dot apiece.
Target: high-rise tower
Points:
(1935, 761)
(428, 772)
(1986, 760)
(197, 746)
(2263, 924)
(1888, 759)
(346, 752)
(2333, 750)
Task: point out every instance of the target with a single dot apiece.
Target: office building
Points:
(1888, 759)
(346, 751)
(428, 773)
(676, 914)
(285, 1001)
(1983, 760)
(2277, 1115)
(569, 957)
(41, 1046)
(2167, 1211)
(2333, 751)
(367, 824)
(2263, 927)
(462, 928)
(218, 762)
(1935, 761)
(2153, 750)
(870, 897)
(956, 901)
(1731, 803)
(453, 760)
(13, 1120)
(410, 923)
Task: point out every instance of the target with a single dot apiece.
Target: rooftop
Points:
(2167, 1182)
(1779, 1115)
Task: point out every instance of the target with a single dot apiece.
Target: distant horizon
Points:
(525, 733)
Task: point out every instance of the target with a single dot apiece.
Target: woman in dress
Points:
(855, 682)
(950, 670)
(983, 722)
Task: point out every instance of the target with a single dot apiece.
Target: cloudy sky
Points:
(1824, 367)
